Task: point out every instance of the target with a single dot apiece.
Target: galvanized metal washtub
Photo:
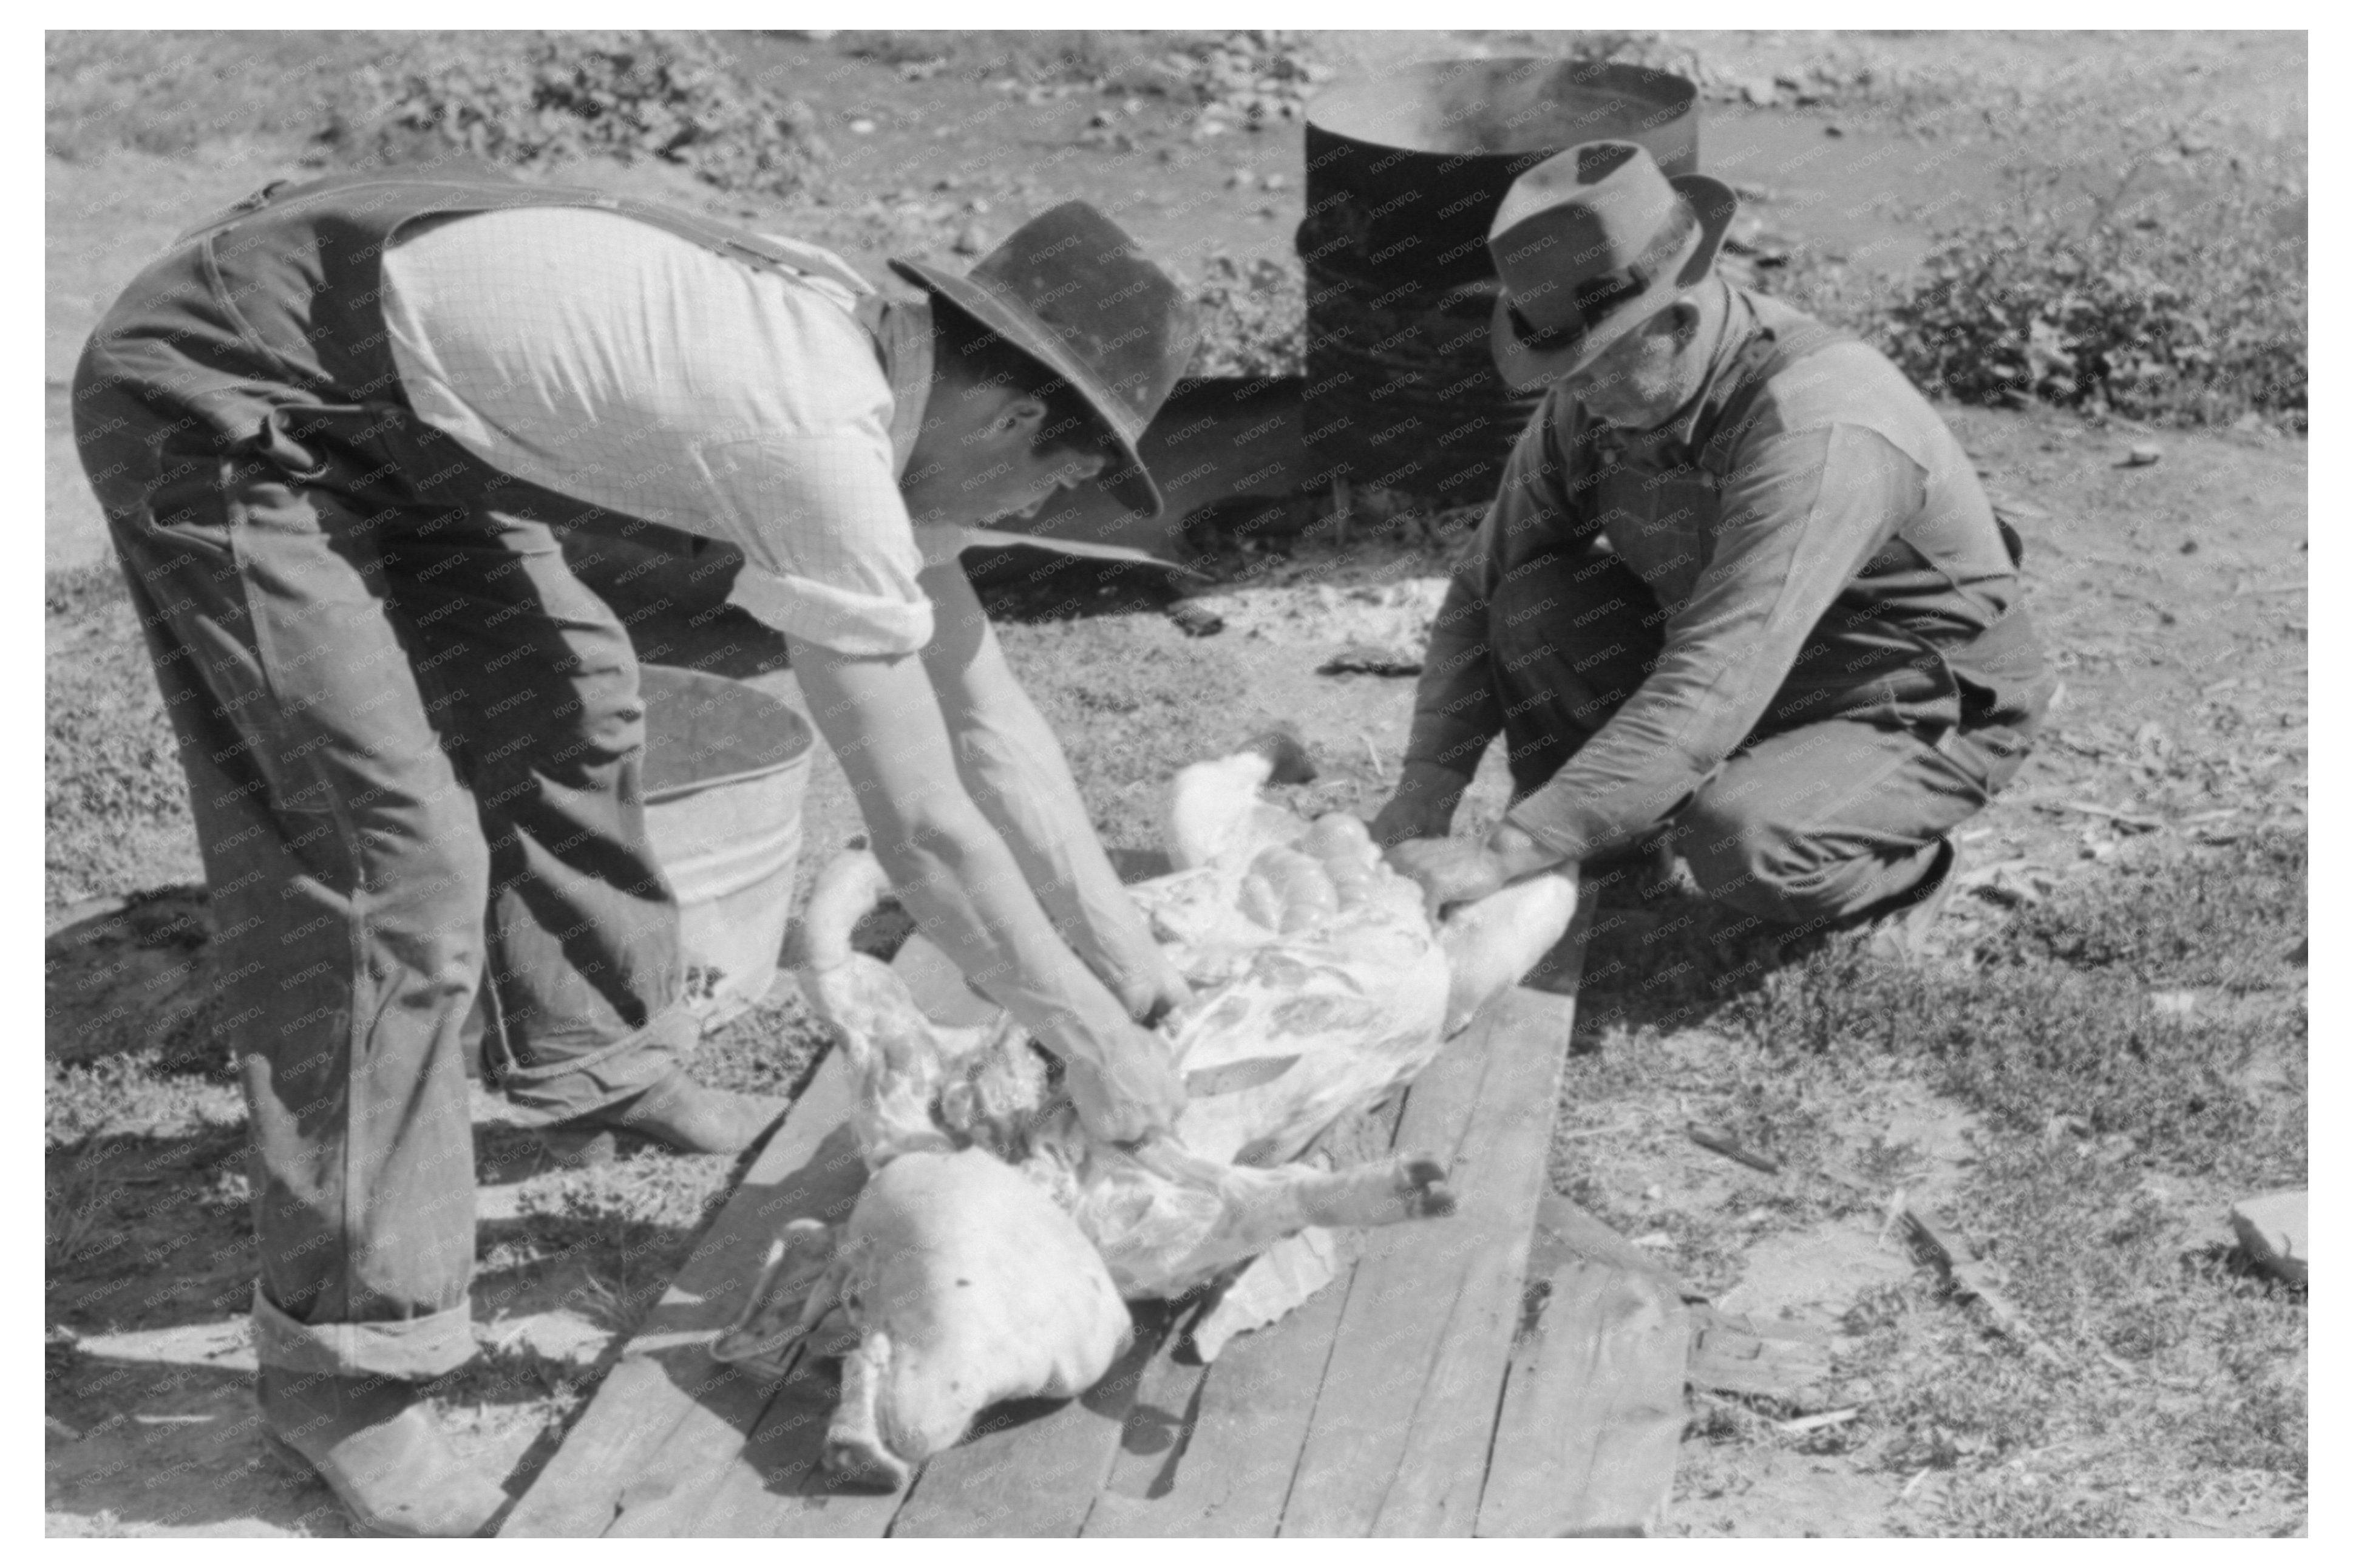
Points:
(726, 766)
(1405, 172)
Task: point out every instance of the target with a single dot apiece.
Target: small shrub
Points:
(557, 98)
(2197, 316)
(172, 92)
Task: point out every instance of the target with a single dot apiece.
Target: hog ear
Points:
(1289, 762)
(797, 1274)
(1490, 945)
(850, 887)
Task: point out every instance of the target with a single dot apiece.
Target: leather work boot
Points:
(676, 1113)
(369, 1439)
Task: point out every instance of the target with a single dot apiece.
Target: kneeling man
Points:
(1739, 592)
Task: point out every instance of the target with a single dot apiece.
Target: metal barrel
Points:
(1405, 172)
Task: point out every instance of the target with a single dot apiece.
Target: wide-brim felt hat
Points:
(1588, 245)
(1071, 289)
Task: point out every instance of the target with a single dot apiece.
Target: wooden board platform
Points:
(1371, 1410)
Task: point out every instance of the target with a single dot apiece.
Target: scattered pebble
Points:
(862, 127)
(2142, 453)
(1194, 620)
(1273, 181)
(971, 240)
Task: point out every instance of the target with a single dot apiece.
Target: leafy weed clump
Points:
(558, 97)
(2152, 318)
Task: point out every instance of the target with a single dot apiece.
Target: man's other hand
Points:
(1422, 808)
(1451, 870)
(1135, 1093)
(1153, 990)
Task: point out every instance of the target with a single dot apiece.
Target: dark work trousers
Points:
(412, 742)
(1814, 825)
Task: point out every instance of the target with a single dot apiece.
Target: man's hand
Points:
(1134, 1094)
(1451, 870)
(1423, 806)
(1455, 870)
(1152, 988)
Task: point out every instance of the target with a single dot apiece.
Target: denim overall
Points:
(1908, 707)
(412, 741)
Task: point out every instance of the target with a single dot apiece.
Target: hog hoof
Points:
(1421, 1182)
(863, 1464)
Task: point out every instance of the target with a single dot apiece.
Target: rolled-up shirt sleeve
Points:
(1800, 515)
(829, 555)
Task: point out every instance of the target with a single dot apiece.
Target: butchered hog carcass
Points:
(995, 1243)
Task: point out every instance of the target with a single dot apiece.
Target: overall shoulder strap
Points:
(1771, 351)
(387, 201)
(765, 249)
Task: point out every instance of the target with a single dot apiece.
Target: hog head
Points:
(963, 1285)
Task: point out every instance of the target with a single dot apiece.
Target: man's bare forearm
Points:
(948, 863)
(961, 881)
(1016, 773)
(1013, 768)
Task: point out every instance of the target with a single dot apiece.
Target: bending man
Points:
(335, 430)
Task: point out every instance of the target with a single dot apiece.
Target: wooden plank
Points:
(1159, 1424)
(1234, 1472)
(1593, 1410)
(1247, 1412)
(1399, 1441)
(1564, 1231)
(1033, 1468)
(668, 1416)
(776, 1485)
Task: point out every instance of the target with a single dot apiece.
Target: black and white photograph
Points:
(1293, 783)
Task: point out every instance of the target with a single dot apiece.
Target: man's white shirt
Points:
(608, 360)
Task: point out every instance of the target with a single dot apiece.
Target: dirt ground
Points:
(2172, 595)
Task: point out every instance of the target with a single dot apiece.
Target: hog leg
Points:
(1491, 945)
(1255, 1208)
(1411, 1186)
(855, 1453)
(801, 1267)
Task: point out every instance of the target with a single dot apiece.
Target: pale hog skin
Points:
(988, 1254)
(971, 1288)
